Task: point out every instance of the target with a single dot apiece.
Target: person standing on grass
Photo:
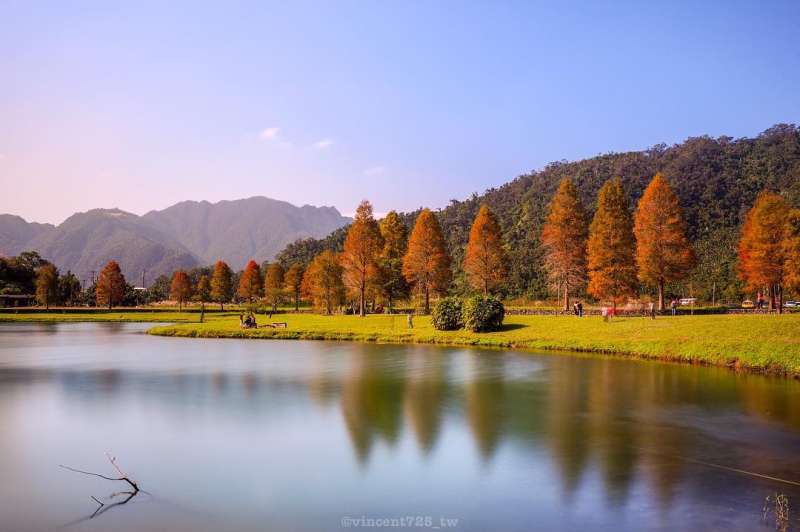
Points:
(410, 320)
(652, 309)
(575, 308)
(673, 305)
(580, 309)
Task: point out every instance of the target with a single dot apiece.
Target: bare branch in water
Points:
(103, 507)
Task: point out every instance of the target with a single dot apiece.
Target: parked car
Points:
(792, 304)
(687, 300)
(747, 303)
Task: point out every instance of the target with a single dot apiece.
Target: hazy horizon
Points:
(142, 106)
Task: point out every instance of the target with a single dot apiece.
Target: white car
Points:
(792, 304)
(687, 300)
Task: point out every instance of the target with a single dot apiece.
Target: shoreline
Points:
(733, 364)
(760, 344)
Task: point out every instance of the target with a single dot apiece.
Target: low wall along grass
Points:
(760, 343)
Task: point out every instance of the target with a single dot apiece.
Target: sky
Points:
(140, 105)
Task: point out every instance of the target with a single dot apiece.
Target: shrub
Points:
(483, 313)
(446, 315)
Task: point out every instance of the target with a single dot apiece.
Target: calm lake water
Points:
(229, 435)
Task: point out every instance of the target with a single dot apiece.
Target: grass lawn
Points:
(767, 343)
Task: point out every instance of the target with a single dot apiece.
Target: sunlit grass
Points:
(756, 342)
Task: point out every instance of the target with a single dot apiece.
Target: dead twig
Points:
(123, 477)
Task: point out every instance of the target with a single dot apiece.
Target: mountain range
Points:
(185, 235)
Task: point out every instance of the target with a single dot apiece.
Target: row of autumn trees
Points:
(618, 251)
(611, 257)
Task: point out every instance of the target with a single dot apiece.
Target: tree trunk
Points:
(661, 294)
(566, 298)
(180, 306)
(296, 301)
(779, 290)
(221, 306)
(427, 301)
(771, 297)
(361, 303)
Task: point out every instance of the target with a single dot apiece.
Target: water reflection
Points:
(633, 434)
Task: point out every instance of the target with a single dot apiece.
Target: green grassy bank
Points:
(760, 343)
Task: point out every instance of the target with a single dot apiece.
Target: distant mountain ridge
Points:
(185, 235)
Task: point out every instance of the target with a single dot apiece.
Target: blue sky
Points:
(140, 105)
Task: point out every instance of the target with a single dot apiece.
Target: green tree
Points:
(69, 289)
(392, 283)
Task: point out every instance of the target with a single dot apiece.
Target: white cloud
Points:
(323, 144)
(285, 145)
(270, 133)
(375, 170)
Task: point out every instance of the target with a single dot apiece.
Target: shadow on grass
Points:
(512, 327)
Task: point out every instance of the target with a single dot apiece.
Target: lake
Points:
(248, 435)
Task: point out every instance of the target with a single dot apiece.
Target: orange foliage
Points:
(250, 282)
(612, 265)
(362, 249)
(485, 261)
(663, 252)
(322, 282)
(761, 246)
(181, 288)
(110, 286)
(426, 264)
(564, 238)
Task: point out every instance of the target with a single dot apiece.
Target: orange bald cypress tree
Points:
(250, 282)
(362, 249)
(293, 282)
(663, 252)
(485, 261)
(110, 285)
(761, 247)
(612, 248)
(564, 238)
(181, 288)
(322, 281)
(273, 285)
(222, 284)
(791, 251)
(426, 264)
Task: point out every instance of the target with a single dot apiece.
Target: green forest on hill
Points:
(716, 180)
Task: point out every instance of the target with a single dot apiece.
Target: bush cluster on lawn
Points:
(446, 315)
(477, 314)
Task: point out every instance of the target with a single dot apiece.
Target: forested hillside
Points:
(716, 180)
